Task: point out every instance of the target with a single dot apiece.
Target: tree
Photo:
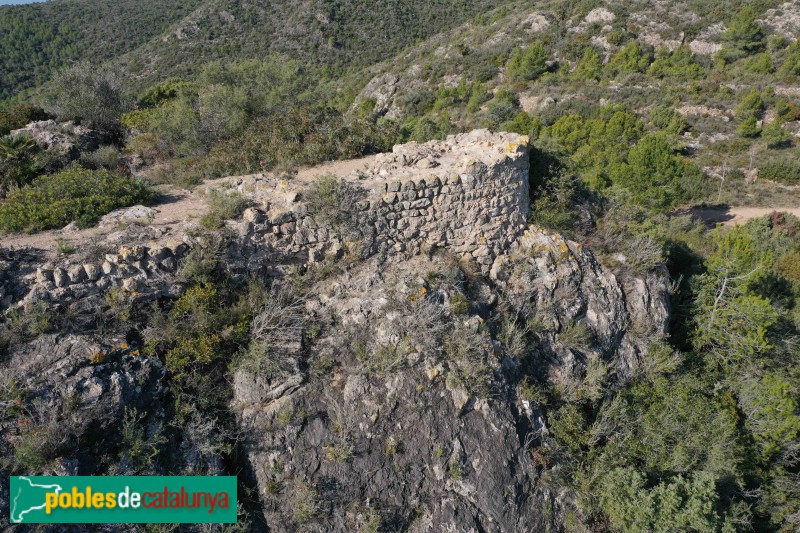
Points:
(528, 65)
(590, 66)
(791, 65)
(632, 58)
(681, 504)
(770, 408)
(652, 172)
(87, 94)
(749, 127)
(679, 64)
(775, 135)
(751, 104)
(732, 321)
(744, 35)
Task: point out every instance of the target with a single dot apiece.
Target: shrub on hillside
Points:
(528, 65)
(782, 171)
(16, 117)
(76, 194)
(86, 94)
(223, 206)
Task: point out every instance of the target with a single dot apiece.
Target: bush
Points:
(752, 105)
(333, 202)
(528, 65)
(632, 58)
(87, 94)
(784, 171)
(667, 119)
(17, 162)
(775, 136)
(749, 128)
(75, 195)
(19, 116)
(679, 64)
(679, 505)
(222, 206)
(789, 266)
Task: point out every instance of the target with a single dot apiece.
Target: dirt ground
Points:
(730, 216)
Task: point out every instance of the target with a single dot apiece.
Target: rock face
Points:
(68, 137)
(405, 405)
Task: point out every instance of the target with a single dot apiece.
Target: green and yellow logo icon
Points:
(122, 500)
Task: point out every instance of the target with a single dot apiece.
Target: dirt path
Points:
(176, 207)
(336, 168)
(729, 216)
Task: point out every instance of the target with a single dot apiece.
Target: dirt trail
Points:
(335, 168)
(176, 207)
(730, 216)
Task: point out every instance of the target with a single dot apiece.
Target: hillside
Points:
(39, 39)
(415, 266)
(163, 39)
(329, 35)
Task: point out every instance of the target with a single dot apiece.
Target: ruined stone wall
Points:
(468, 194)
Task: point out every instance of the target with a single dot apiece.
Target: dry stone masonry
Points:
(468, 194)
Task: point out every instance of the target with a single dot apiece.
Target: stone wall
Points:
(468, 194)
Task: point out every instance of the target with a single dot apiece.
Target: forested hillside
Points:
(39, 39)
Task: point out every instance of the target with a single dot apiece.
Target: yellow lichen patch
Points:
(98, 358)
(419, 294)
(433, 373)
(523, 141)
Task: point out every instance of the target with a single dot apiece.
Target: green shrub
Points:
(17, 117)
(17, 161)
(751, 105)
(744, 35)
(77, 194)
(775, 136)
(771, 407)
(222, 206)
(590, 66)
(682, 504)
(760, 63)
(632, 58)
(333, 202)
(667, 119)
(528, 65)
(786, 171)
(749, 128)
(791, 65)
(679, 64)
(86, 94)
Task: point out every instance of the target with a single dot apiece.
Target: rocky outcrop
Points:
(394, 393)
(67, 137)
